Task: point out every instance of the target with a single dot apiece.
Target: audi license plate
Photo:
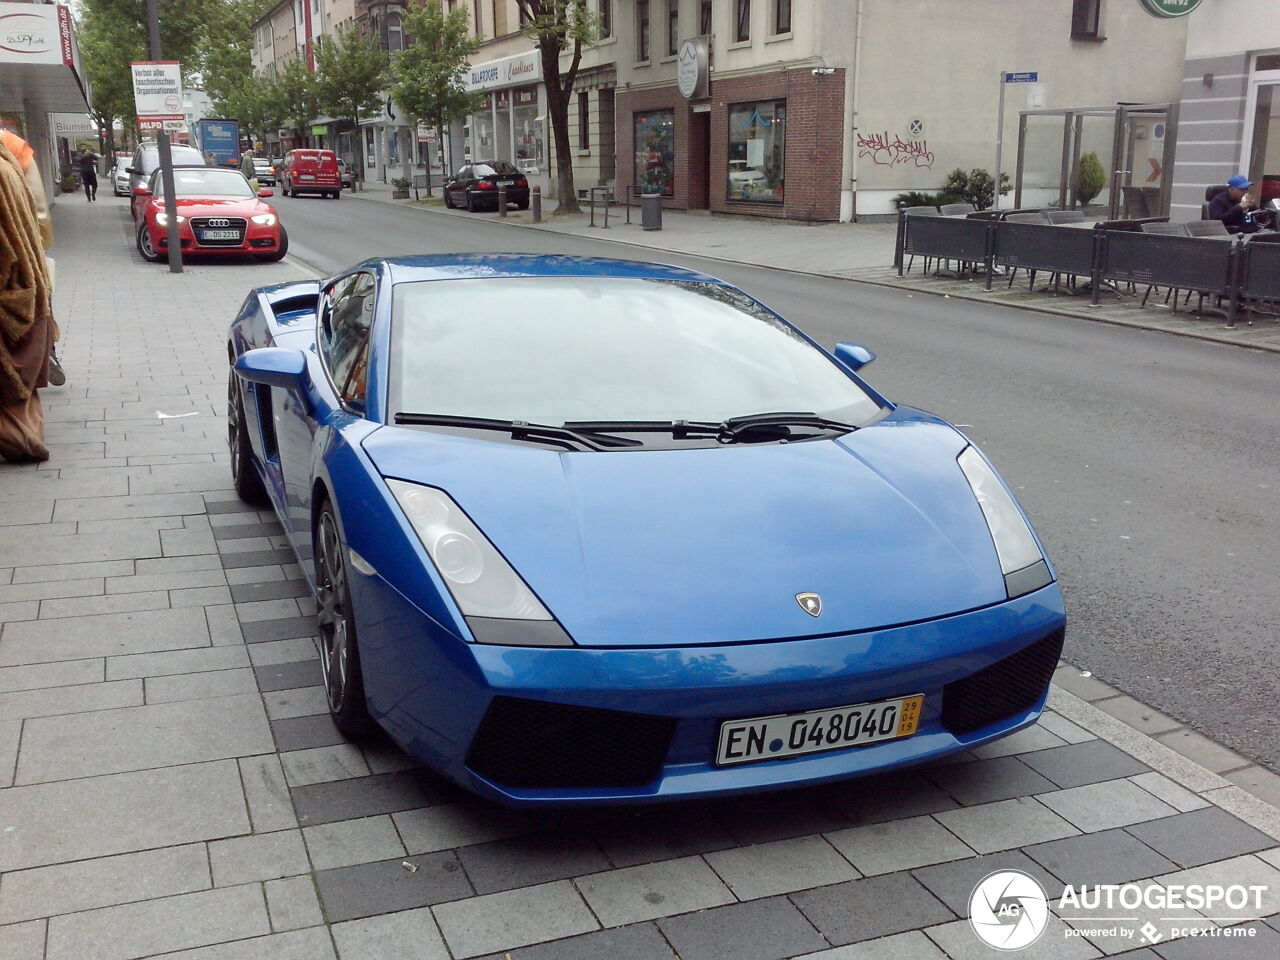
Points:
(220, 235)
(792, 734)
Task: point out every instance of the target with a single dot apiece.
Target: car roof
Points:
(460, 266)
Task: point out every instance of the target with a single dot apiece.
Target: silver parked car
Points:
(120, 177)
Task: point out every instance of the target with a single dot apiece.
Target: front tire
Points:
(145, 248)
(339, 654)
(280, 250)
(245, 479)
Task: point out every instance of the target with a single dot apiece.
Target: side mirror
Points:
(265, 192)
(141, 192)
(133, 170)
(853, 355)
(274, 366)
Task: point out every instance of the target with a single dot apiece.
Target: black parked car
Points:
(475, 186)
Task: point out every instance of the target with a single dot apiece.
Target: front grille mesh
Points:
(532, 743)
(238, 224)
(1002, 690)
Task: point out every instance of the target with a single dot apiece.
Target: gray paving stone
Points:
(1006, 824)
(247, 592)
(160, 566)
(179, 478)
(363, 796)
(1201, 836)
(80, 698)
(1259, 781)
(137, 523)
(783, 866)
(889, 796)
(298, 702)
(1112, 856)
(79, 548)
(156, 926)
(272, 574)
(282, 651)
(383, 756)
(111, 634)
(101, 816)
(901, 946)
(40, 573)
(201, 686)
(533, 859)
(107, 603)
(763, 817)
(128, 507)
(292, 903)
(23, 941)
(259, 856)
(640, 941)
(1238, 801)
(50, 589)
(267, 610)
(206, 597)
(409, 935)
(959, 942)
(1079, 763)
(1101, 806)
(311, 944)
(180, 580)
(983, 781)
(771, 929)
(665, 833)
(348, 842)
(227, 506)
(136, 738)
(448, 825)
(224, 628)
(41, 675)
(898, 845)
(267, 793)
(1178, 797)
(388, 885)
(1263, 945)
(173, 662)
(1138, 715)
(338, 762)
(953, 882)
(10, 736)
(302, 733)
(286, 676)
(264, 631)
(1247, 871)
(103, 882)
(1031, 738)
(257, 558)
(17, 612)
(653, 890)
(1086, 688)
(875, 907)
(515, 918)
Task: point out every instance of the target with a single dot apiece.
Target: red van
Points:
(311, 171)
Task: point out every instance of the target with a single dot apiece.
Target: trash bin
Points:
(651, 211)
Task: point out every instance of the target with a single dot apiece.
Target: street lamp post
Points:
(166, 157)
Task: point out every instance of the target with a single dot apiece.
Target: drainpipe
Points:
(852, 84)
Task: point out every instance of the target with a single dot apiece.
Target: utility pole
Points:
(166, 156)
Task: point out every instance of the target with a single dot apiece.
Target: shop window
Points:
(757, 141)
(584, 120)
(642, 31)
(781, 16)
(1086, 20)
(742, 21)
(704, 18)
(606, 18)
(655, 142)
(673, 27)
(1268, 61)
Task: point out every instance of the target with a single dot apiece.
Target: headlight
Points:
(265, 219)
(162, 219)
(499, 606)
(1021, 563)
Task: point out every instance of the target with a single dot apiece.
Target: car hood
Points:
(218, 206)
(704, 546)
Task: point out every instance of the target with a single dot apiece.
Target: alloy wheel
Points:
(333, 614)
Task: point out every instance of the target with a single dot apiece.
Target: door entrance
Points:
(700, 160)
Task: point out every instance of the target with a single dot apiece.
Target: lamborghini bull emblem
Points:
(810, 603)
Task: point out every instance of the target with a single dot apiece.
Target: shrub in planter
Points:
(1090, 179)
(400, 188)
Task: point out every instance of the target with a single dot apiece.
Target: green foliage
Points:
(296, 93)
(1090, 178)
(427, 77)
(400, 183)
(975, 187)
(351, 73)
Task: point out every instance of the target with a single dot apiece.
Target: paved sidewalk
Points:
(857, 251)
(171, 786)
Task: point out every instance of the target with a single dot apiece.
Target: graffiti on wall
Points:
(887, 151)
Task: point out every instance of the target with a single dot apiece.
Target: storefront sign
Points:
(72, 125)
(522, 69)
(35, 33)
(319, 129)
(692, 73)
(157, 94)
(1170, 8)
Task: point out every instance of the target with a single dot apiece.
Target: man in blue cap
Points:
(1233, 204)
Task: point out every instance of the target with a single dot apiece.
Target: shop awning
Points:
(40, 70)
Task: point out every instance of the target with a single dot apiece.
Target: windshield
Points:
(493, 168)
(209, 182)
(556, 350)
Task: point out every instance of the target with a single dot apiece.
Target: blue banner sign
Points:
(222, 139)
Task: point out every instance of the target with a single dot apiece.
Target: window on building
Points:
(1086, 20)
(584, 120)
(757, 144)
(742, 21)
(476, 22)
(499, 18)
(606, 18)
(392, 32)
(781, 16)
(673, 27)
(642, 31)
(704, 17)
(655, 146)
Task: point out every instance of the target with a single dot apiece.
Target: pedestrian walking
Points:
(88, 164)
(27, 329)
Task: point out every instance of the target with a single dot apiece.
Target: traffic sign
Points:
(157, 92)
(1021, 77)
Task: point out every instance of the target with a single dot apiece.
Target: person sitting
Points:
(1233, 204)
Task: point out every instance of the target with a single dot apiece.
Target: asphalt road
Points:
(1149, 463)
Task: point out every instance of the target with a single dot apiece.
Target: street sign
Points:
(157, 94)
(1021, 77)
(169, 124)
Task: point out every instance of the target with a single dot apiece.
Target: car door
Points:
(459, 185)
(308, 426)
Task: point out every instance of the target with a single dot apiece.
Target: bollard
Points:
(502, 201)
(535, 199)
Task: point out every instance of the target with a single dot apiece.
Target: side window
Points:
(344, 334)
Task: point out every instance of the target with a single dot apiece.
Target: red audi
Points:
(218, 213)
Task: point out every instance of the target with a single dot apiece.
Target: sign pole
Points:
(999, 142)
(166, 156)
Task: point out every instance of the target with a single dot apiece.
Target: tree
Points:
(1090, 179)
(560, 27)
(107, 47)
(426, 77)
(297, 93)
(351, 74)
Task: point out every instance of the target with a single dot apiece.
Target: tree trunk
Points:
(358, 134)
(558, 114)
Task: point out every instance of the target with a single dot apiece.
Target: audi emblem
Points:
(219, 222)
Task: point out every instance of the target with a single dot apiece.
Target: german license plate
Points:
(793, 734)
(505, 183)
(220, 235)
(306, 176)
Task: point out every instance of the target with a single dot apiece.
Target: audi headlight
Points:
(1021, 562)
(162, 219)
(265, 219)
(498, 605)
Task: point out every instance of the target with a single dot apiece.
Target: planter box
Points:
(399, 194)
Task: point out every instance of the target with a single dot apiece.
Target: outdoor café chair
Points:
(1059, 217)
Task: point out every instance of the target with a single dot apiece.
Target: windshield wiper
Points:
(726, 431)
(737, 425)
(565, 436)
